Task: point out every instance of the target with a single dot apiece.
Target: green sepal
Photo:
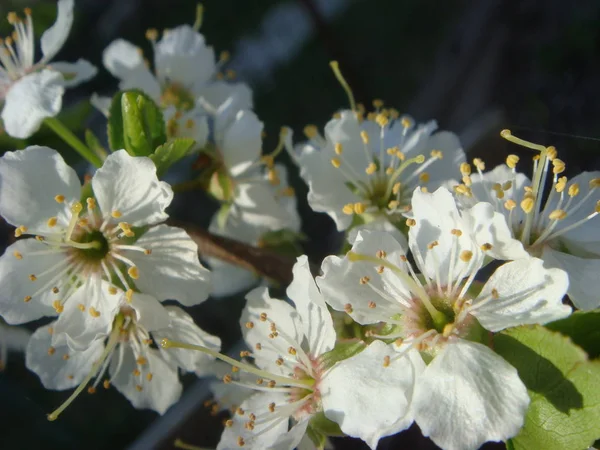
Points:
(583, 327)
(220, 186)
(322, 425)
(169, 153)
(317, 438)
(343, 349)
(135, 123)
(564, 411)
(285, 242)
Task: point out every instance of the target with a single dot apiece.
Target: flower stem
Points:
(66, 135)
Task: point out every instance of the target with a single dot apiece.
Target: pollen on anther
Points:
(81, 307)
(258, 346)
(91, 390)
(486, 247)
(432, 245)
(279, 361)
(380, 269)
(348, 308)
(372, 304)
(116, 214)
(106, 384)
(411, 222)
(249, 325)
(386, 361)
(133, 272)
(240, 441)
(32, 277)
(456, 232)
(27, 298)
(263, 316)
(52, 221)
(557, 214)
(381, 254)
(271, 384)
(466, 255)
(495, 294)
(139, 388)
(364, 280)
(244, 354)
(51, 351)
(94, 312)
(129, 295)
(272, 407)
(227, 378)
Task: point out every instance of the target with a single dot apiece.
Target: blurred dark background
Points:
(475, 66)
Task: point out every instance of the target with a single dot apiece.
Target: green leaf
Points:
(135, 123)
(168, 154)
(342, 350)
(583, 327)
(564, 412)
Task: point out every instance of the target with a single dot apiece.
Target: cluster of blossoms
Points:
(435, 268)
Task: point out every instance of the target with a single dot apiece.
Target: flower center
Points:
(175, 94)
(97, 252)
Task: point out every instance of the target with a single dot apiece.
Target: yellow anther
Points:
(129, 295)
(392, 151)
(463, 190)
(486, 247)
(551, 153)
(279, 361)
(371, 169)
(466, 255)
(465, 168)
(58, 306)
(512, 160)
(133, 272)
(406, 123)
(55, 290)
(151, 34)
(381, 120)
(273, 177)
(393, 204)
(81, 307)
(27, 298)
(527, 204)
(149, 376)
(573, 190)
(348, 308)
(139, 388)
(386, 361)
(364, 280)
(106, 384)
(94, 312)
(381, 254)
(377, 103)
(411, 222)
(467, 181)
(112, 290)
(27, 11)
(136, 372)
(559, 166)
(438, 154)
(147, 251)
(595, 183)
(558, 214)
(510, 204)
(66, 357)
(396, 187)
(479, 164)
(561, 184)
(401, 156)
(364, 136)
(338, 148)
(389, 171)
(52, 221)
(424, 177)
(335, 162)
(116, 214)
(311, 131)
(17, 255)
(19, 231)
(12, 17)
(507, 185)
(59, 198)
(348, 209)
(359, 208)
(249, 325)
(456, 232)
(51, 351)
(372, 304)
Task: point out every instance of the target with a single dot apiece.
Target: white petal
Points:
(77, 328)
(279, 312)
(29, 181)
(30, 100)
(159, 394)
(142, 78)
(228, 279)
(183, 329)
(436, 215)
(263, 435)
(172, 270)
(238, 96)
(380, 223)
(57, 371)
(101, 103)
(121, 58)
(129, 185)
(490, 227)
(191, 124)
(258, 206)
(75, 73)
(182, 56)
(527, 294)
(468, 395)
(369, 400)
(241, 144)
(54, 37)
(341, 283)
(150, 314)
(453, 155)
(584, 280)
(16, 284)
(316, 320)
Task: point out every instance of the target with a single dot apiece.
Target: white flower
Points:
(32, 91)
(245, 224)
(467, 394)
(288, 345)
(369, 167)
(147, 376)
(560, 229)
(184, 80)
(79, 246)
(11, 339)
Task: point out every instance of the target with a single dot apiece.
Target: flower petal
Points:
(150, 313)
(172, 269)
(527, 293)
(237, 96)
(182, 56)
(343, 287)
(584, 283)
(161, 391)
(182, 328)
(468, 395)
(30, 100)
(191, 124)
(130, 186)
(54, 37)
(316, 320)
(121, 58)
(75, 73)
(59, 367)
(87, 316)
(241, 143)
(227, 279)
(29, 181)
(257, 331)
(369, 400)
(453, 155)
(17, 285)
